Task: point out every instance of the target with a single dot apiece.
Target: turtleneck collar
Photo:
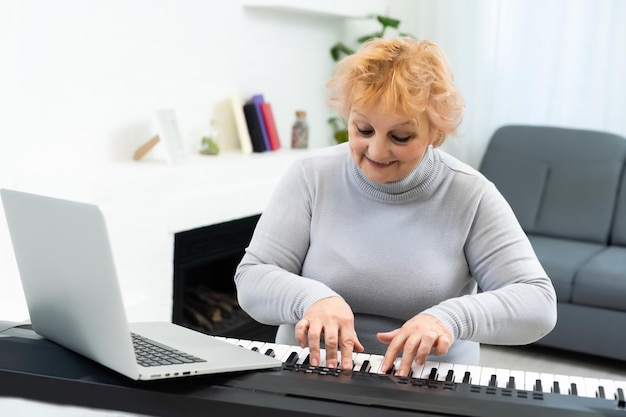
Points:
(407, 188)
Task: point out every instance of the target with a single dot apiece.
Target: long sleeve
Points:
(269, 285)
(517, 302)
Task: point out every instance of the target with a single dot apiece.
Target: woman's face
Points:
(386, 146)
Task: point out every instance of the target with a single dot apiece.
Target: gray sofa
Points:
(568, 190)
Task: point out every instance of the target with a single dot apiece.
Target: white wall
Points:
(80, 82)
(88, 76)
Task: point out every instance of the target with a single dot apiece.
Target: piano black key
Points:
(555, 387)
(391, 370)
(538, 386)
(450, 376)
(493, 381)
(433, 374)
(365, 367)
(255, 349)
(293, 358)
(511, 383)
(307, 360)
(621, 401)
(467, 377)
(270, 352)
(601, 393)
(573, 390)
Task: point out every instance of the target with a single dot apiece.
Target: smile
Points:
(379, 164)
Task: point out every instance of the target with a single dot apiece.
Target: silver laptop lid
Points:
(68, 276)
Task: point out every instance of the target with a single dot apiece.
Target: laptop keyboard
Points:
(151, 353)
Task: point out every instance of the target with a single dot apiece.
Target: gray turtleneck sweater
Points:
(441, 241)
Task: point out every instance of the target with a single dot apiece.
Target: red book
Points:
(270, 125)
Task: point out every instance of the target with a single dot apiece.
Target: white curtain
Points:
(543, 62)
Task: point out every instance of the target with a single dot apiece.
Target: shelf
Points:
(324, 8)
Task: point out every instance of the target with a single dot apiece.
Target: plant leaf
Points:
(388, 21)
(366, 38)
(338, 49)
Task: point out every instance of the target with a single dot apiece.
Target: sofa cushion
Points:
(592, 330)
(618, 234)
(562, 258)
(565, 180)
(601, 282)
(520, 180)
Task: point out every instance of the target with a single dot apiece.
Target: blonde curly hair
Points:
(400, 75)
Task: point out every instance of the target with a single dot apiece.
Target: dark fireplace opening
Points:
(204, 295)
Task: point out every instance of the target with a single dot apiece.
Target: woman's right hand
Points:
(333, 319)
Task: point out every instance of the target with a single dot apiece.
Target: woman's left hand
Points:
(415, 339)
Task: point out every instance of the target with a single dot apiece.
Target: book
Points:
(257, 100)
(236, 102)
(270, 125)
(254, 127)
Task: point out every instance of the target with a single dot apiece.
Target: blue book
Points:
(254, 128)
(258, 99)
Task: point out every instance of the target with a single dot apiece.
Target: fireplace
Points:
(204, 294)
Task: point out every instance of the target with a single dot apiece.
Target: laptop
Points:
(73, 296)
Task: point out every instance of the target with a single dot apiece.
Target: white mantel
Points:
(145, 203)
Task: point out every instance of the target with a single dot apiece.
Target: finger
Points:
(331, 339)
(358, 347)
(347, 347)
(423, 350)
(443, 345)
(387, 337)
(314, 337)
(302, 327)
(408, 356)
(392, 352)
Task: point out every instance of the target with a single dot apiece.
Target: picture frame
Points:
(169, 133)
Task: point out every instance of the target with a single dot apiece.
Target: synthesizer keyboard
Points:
(442, 388)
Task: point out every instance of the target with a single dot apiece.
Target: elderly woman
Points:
(387, 244)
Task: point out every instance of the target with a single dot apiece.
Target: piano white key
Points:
(519, 379)
(396, 365)
(618, 385)
(266, 347)
(289, 351)
(232, 340)
(564, 384)
(416, 370)
(253, 345)
(485, 375)
(475, 372)
(580, 385)
(609, 388)
(547, 381)
(358, 359)
(376, 362)
(591, 387)
(302, 355)
(502, 376)
(281, 351)
(530, 381)
(428, 366)
(459, 371)
(443, 370)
